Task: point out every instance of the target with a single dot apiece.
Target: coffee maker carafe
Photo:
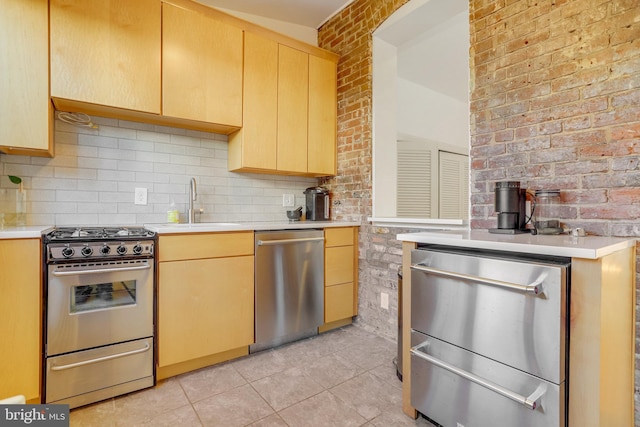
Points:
(510, 205)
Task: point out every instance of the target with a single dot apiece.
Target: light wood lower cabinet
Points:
(340, 275)
(205, 300)
(20, 321)
(26, 115)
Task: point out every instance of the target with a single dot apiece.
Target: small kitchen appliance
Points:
(546, 213)
(317, 203)
(510, 205)
(99, 313)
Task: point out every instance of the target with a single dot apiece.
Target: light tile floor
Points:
(341, 378)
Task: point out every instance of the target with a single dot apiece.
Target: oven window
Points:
(103, 295)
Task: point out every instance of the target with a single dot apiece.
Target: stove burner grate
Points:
(89, 233)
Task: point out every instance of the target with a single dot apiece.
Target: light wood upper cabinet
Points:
(293, 101)
(289, 113)
(106, 52)
(323, 105)
(20, 317)
(254, 146)
(26, 115)
(201, 67)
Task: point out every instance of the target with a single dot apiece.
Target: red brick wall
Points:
(555, 103)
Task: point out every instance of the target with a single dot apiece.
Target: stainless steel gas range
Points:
(99, 318)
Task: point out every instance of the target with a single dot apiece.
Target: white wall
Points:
(299, 32)
(92, 179)
(431, 115)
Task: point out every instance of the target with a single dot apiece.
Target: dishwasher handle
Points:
(530, 402)
(287, 241)
(534, 288)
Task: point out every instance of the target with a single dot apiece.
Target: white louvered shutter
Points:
(454, 185)
(417, 178)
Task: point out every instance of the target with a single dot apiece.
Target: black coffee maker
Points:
(510, 205)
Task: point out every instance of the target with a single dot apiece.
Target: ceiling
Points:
(431, 35)
(308, 13)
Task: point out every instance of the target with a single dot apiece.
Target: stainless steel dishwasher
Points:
(289, 269)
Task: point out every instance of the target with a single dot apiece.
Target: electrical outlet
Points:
(384, 300)
(140, 196)
(288, 201)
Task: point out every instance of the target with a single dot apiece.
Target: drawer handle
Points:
(530, 401)
(101, 359)
(534, 288)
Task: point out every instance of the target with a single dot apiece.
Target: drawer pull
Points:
(101, 359)
(530, 401)
(534, 288)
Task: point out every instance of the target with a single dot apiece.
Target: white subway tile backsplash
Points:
(76, 196)
(92, 179)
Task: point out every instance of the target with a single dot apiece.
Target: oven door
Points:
(98, 303)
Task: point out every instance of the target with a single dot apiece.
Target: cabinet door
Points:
(322, 116)
(338, 302)
(201, 67)
(26, 114)
(293, 97)
(20, 318)
(254, 146)
(107, 52)
(204, 307)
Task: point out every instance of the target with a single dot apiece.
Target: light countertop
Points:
(25, 232)
(589, 247)
(204, 227)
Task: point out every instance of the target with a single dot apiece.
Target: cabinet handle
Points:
(530, 401)
(534, 288)
(101, 359)
(284, 241)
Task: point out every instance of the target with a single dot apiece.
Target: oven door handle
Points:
(105, 270)
(534, 288)
(101, 359)
(530, 402)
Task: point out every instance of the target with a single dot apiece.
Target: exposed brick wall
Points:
(555, 103)
(349, 35)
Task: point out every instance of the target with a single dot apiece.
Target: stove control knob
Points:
(122, 249)
(86, 251)
(137, 249)
(105, 250)
(68, 252)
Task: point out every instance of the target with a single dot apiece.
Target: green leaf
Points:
(15, 179)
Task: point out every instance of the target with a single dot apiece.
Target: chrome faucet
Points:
(193, 194)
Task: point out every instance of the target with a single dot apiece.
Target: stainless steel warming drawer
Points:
(489, 337)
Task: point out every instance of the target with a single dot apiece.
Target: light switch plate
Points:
(288, 201)
(140, 196)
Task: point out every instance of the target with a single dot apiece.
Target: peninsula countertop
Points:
(588, 247)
